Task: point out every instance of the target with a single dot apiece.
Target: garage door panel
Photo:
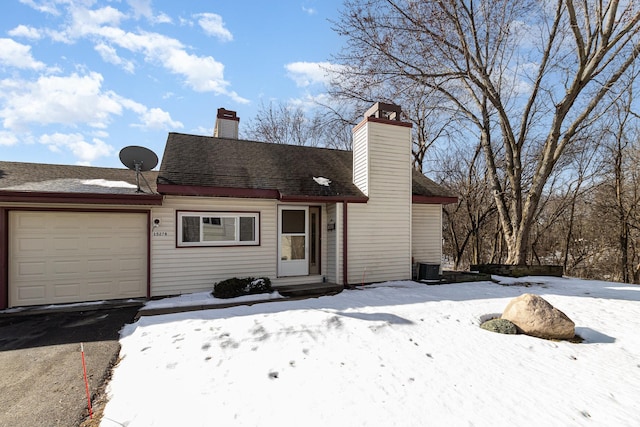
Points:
(66, 267)
(32, 269)
(99, 266)
(100, 289)
(64, 291)
(32, 293)
(66, 244)
(30, 244)
(128, 287)
(100, 243)
(77, 256)
(30, 223)
(131, 245)
(68, 222)
(130, 265)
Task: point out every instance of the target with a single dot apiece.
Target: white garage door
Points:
(64, 257)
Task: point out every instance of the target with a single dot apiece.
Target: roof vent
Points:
(226, 124)
(381, 110)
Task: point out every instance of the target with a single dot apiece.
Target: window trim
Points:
(221, 214)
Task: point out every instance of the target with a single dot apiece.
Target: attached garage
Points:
(57, 257)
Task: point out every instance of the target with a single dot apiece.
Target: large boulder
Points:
(534, 316)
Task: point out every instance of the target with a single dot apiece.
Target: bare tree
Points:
(621, 186)
(284, 123)
(468, 222)
(528, 75)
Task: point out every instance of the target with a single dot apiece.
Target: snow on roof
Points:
(108, 184)
(322, 181)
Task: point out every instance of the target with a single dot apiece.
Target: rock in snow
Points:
(502, 326)
(534, 316)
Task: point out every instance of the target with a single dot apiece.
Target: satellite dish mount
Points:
(138, 159)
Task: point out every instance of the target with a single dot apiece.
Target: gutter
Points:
(433, 200)
(253, 193)
(84, 198)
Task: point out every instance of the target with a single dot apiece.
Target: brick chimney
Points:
(226, 124)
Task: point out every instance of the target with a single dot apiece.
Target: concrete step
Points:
(311, 289)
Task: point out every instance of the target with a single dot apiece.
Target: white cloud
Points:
(73, 100)
(69, 100)
(86, 21)
(157, 119)
(61, 100)
(184, 22)
(308, 73)
(109, 54)
(201, 130)
(141, 8)
(8, 138)
(150, 118)
(163, 18)
(14, 54)
(309, 10)
(213, 25)
(100, 134)
(46, 6)
(201, 73)
(308, 102)
(26, 32)
(86, 152)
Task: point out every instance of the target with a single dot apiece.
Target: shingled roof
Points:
(28, 181)
(202, 165)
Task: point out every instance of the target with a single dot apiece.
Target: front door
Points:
(293, 247)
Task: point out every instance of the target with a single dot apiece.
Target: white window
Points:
(218, 228)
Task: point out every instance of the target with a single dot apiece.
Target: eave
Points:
(433, 200)
(252, 193)
(80, 198)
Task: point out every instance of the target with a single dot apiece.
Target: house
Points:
(220, 207)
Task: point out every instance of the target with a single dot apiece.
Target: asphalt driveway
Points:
(41, 377)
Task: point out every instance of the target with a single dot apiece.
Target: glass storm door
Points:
(293, 249)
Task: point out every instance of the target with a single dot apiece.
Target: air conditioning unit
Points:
(428, 271)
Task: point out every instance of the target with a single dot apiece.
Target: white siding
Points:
(427, 234)
(226, 129)
(333, 244)
(183, 270)
(379, 232)
(361, 159)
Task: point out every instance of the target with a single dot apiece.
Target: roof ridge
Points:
(250, 141)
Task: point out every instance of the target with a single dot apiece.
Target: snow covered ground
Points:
(391, 354)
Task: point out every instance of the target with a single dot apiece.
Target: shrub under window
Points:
(218, 228)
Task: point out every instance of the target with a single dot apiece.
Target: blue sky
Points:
(81, 79)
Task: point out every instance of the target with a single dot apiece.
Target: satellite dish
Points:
(139, 159)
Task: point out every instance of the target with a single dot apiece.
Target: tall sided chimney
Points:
(226, 124)
(382, 171)
(382, 140)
